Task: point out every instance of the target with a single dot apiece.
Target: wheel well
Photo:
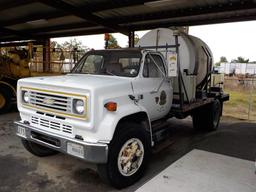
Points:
(140, 118)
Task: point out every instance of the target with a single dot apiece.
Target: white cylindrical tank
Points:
(195, 55)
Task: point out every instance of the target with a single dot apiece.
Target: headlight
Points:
(25, 96)
(78, 105)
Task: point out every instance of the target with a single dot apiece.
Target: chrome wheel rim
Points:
(130, 157)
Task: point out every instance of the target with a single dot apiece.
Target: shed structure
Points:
(43, 19)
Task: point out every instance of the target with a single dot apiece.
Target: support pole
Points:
(176, 34)
(131, 39)
(46, 55)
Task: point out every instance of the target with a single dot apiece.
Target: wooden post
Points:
(46, 56)
(131, 39)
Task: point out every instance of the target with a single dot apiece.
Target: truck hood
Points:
(77, 81)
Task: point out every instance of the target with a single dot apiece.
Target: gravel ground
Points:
(21, 171)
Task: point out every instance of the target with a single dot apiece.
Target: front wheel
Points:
(128, 154)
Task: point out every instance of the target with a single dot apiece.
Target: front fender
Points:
(109, 123)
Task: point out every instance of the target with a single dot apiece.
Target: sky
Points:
(230, 39)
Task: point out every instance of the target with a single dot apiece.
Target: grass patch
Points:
(238, 105)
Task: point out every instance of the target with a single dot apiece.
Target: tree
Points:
(223, 59)
(55, 44)
(73, 49)
(240, 60)
(55, 47)
(136, 39)
(112, 42)
(74, 44)
(217, 64)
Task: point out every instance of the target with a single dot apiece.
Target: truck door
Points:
(155, 89)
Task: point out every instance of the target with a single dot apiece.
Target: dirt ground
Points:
(21, 171)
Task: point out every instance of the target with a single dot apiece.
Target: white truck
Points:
(106, 110)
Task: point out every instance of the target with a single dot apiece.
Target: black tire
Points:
(38, 150)
(109, 172)
(207, 118)
(5, 100)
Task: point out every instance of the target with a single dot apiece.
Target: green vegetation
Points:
(222, 60)
(238, 105)
(240, 60)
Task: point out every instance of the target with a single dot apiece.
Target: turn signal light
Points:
(111, 106)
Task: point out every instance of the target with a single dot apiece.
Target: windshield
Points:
(119, 63)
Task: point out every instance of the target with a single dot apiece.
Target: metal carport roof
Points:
(41, 19)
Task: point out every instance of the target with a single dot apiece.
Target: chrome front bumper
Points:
(93, 152)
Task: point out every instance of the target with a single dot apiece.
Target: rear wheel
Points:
(128, 154)
(5, 100)
(38, 150)
(208, 117)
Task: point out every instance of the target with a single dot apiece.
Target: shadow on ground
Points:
(21, 171)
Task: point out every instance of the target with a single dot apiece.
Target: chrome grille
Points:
(49, 124)
(51, 101)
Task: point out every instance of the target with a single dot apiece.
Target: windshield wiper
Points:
(80, 72)
(105, 71)
(110, 73)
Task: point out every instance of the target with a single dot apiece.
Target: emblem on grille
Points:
(48, 101)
